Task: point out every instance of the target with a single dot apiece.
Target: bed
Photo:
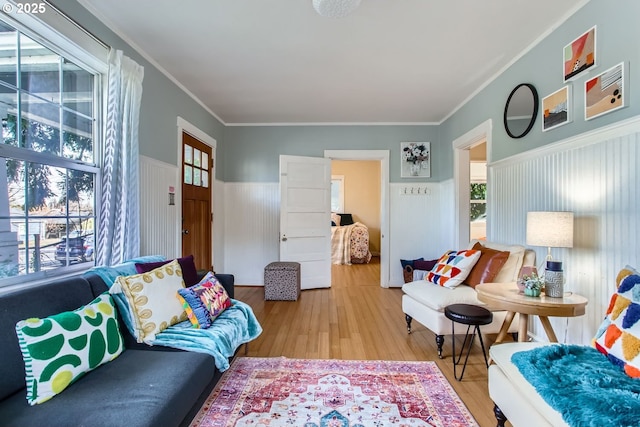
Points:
(349, 241)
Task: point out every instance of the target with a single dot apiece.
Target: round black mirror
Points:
(521, 110)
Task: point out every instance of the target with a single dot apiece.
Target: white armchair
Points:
(425, 302)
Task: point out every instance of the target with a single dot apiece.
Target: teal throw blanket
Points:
(236, 325)
(581, 384)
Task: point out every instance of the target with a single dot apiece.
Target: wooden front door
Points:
(197, 169)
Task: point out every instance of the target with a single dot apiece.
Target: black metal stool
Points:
(470, 315)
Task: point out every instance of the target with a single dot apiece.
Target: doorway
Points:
(196, 201)
(382, 158)
(462, 153)
(196, 168)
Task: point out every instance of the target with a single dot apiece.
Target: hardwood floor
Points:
(357, 319)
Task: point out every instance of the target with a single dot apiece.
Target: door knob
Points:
(284, 239)
(185, 231)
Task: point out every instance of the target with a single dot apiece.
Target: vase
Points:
(414, 168)
(554, 280)
(532, 292)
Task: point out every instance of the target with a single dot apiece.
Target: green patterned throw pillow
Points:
(59, 349)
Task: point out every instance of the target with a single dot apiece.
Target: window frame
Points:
(57, 32)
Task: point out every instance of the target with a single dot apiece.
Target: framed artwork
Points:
(605, 93)
(415, 159)
(556, 109)
(580, 55)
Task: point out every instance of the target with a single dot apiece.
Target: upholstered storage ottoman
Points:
(282, 281)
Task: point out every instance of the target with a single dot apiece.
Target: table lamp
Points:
(553, 230)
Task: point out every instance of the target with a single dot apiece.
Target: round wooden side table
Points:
(505, 296)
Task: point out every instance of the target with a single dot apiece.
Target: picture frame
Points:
(579, 55)
(556, 109)
(605, 92)
(415, 159)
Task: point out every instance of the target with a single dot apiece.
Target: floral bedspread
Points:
(350, 244)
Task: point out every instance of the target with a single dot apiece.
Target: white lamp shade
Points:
(551, 229)
(335, 8)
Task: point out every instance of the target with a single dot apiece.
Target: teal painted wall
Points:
(252, 152)
(162, 100)
(616, 40)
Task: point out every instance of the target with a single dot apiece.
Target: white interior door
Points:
(305, 217)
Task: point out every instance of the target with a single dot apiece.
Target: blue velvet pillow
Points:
(409, 262)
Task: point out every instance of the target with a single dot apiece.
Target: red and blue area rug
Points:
(332, 393)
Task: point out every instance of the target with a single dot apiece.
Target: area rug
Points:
(332, 393)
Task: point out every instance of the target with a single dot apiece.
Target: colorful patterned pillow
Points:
(151, 297)
(205, 301)
(59, 349)
(618, 337)
(453, 267)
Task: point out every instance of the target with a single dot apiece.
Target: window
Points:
(48, 167)
(337, 193)
(478, 200)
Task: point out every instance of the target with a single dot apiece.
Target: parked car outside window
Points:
(78, 249)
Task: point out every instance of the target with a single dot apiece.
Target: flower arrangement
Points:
(415, 153)
(533, 284)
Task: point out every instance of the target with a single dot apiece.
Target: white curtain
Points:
(119, 222)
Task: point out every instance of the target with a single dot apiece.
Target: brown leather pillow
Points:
(487, 267)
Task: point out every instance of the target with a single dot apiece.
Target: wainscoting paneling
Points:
(218, 237)
(252, 224)
(599, 182)
(159, 221)
(416, 224)
(252, 227)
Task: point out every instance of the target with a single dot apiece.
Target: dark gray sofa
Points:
(144, 386)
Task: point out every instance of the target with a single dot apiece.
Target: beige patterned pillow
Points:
(152, 299)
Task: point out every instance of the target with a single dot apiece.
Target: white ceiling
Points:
(278, 61)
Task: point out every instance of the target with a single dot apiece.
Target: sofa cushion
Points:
(152, 299)
(187, 265)
(488, 266)
(59, 349)
(453, 267)
(204, 301)
(438, 297)
(140, 388)
(619, 334)
(35, 301)
(511, 268)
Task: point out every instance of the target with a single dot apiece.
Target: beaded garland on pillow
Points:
(59, 349)
(453, 267)
(205, 301)
(618, 337)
